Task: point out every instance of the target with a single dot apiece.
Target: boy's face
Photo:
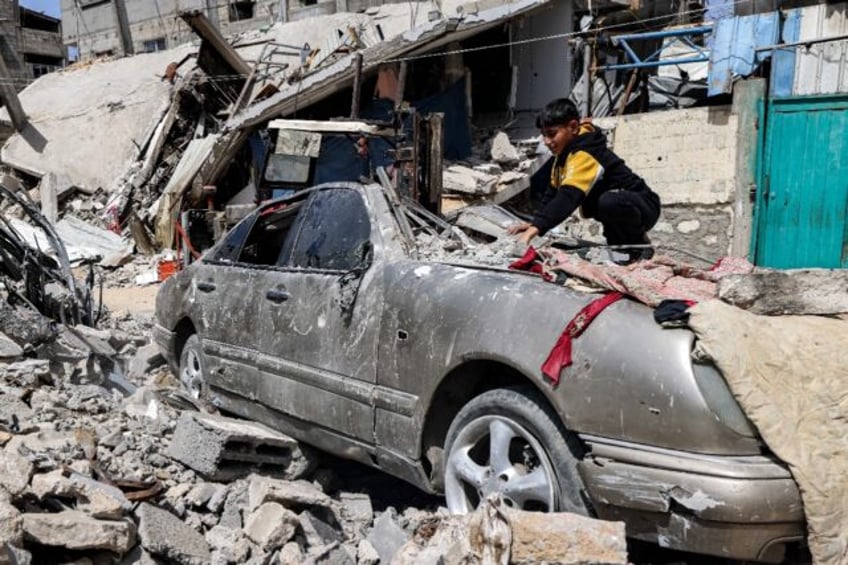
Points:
(557, 138)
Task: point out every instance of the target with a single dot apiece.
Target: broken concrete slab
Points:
(86, 241)
(225, 448)
(366, 554)
(387, 537)
(487, 219)
(28, 372)
(357, 511)
(15, 472)
(109, 110)
(8, 348)
(317, 531)
(232, 545)
(11, 522)
(75, 530)
(793, 291)
(165, 535)
(458, 178)
(98, 499)
(271, 525)
(503, 151)
(293, 494)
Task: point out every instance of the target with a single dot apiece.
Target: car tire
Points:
(192, 372)
(535, 461)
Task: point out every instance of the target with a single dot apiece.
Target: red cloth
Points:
(531, 262)
(560, 355)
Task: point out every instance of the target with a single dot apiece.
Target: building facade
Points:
(92, 27)
(30, 43)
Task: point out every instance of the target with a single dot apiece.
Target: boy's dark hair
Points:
(557, 113)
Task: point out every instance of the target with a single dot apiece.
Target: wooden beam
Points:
(357, 87)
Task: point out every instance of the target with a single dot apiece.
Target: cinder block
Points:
(225, 448)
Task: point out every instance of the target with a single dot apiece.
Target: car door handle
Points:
(277, 296)
(205, 286)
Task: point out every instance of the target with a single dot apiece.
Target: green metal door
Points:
(802, 207)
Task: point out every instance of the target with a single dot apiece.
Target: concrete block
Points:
(11, 522)
(504, 152)
(293, 494)
(28, 372)
(271, 525)
(75, 530)
(8, 348)
(224, 448)
(232, 544)
(165, 535)
(318, 531)
(366, 554)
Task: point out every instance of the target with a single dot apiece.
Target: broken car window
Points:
(228, 250)
(266, 239)
(334, 232)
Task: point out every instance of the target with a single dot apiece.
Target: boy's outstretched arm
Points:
(565, 200)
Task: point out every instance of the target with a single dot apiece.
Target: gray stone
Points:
(12, 410)
(366, 554)
(163, 534)
(788, 292)
(386, 536)
(15, 472)
(218, 498)
(236, 500)
(318, 531)
(457, 178)
(11, 522)
(225, 448)
(290, 554)
(145, 360)
(8, 348)
(27, 372)
(201, 493)
(504, 152)
(231, 544)
(335, 554)
(15, 555)
(75, 530)
(357, 511)
(96, 340)
(293, 494)
(270, 526)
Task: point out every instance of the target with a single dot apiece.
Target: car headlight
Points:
(720, 400)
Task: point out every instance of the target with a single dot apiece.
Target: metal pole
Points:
(123, 26)
(357, 88)
(586, 109)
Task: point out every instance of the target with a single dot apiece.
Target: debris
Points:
(15, 472)
(465, 180)
(271, 525)
(224, 448)
(165, 535)
(11, 523)
(504, 152)
(294, 494)
(75, 530)
(799, 291)
(387, 537)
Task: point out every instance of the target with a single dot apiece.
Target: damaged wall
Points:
(702, 163)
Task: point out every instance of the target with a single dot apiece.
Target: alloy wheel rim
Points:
(494, 454)
(191, 374)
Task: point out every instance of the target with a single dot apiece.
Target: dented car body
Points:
(316, 316)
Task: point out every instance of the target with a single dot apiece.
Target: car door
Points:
(319, 321)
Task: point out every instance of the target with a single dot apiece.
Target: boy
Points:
(586, 173)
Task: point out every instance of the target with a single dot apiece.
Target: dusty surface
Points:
(131, 299)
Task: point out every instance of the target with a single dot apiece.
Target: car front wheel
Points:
(509, 441)
(192, 376)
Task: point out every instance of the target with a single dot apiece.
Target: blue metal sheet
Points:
(783, 60)
(734, 45)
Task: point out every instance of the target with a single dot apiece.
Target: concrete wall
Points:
(702, 162)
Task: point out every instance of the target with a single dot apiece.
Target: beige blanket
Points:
(790, 375)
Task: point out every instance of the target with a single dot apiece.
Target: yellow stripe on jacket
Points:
(581, 170)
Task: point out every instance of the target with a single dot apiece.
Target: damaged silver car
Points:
(317, 315)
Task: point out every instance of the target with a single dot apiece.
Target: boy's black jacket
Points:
(585, 170)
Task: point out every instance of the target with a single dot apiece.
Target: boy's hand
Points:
(526, 232)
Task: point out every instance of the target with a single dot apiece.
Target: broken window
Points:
(241, 10)
(334, 232)
(154, 45)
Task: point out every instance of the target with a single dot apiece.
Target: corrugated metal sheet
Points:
(734, 44)
(823, 68)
